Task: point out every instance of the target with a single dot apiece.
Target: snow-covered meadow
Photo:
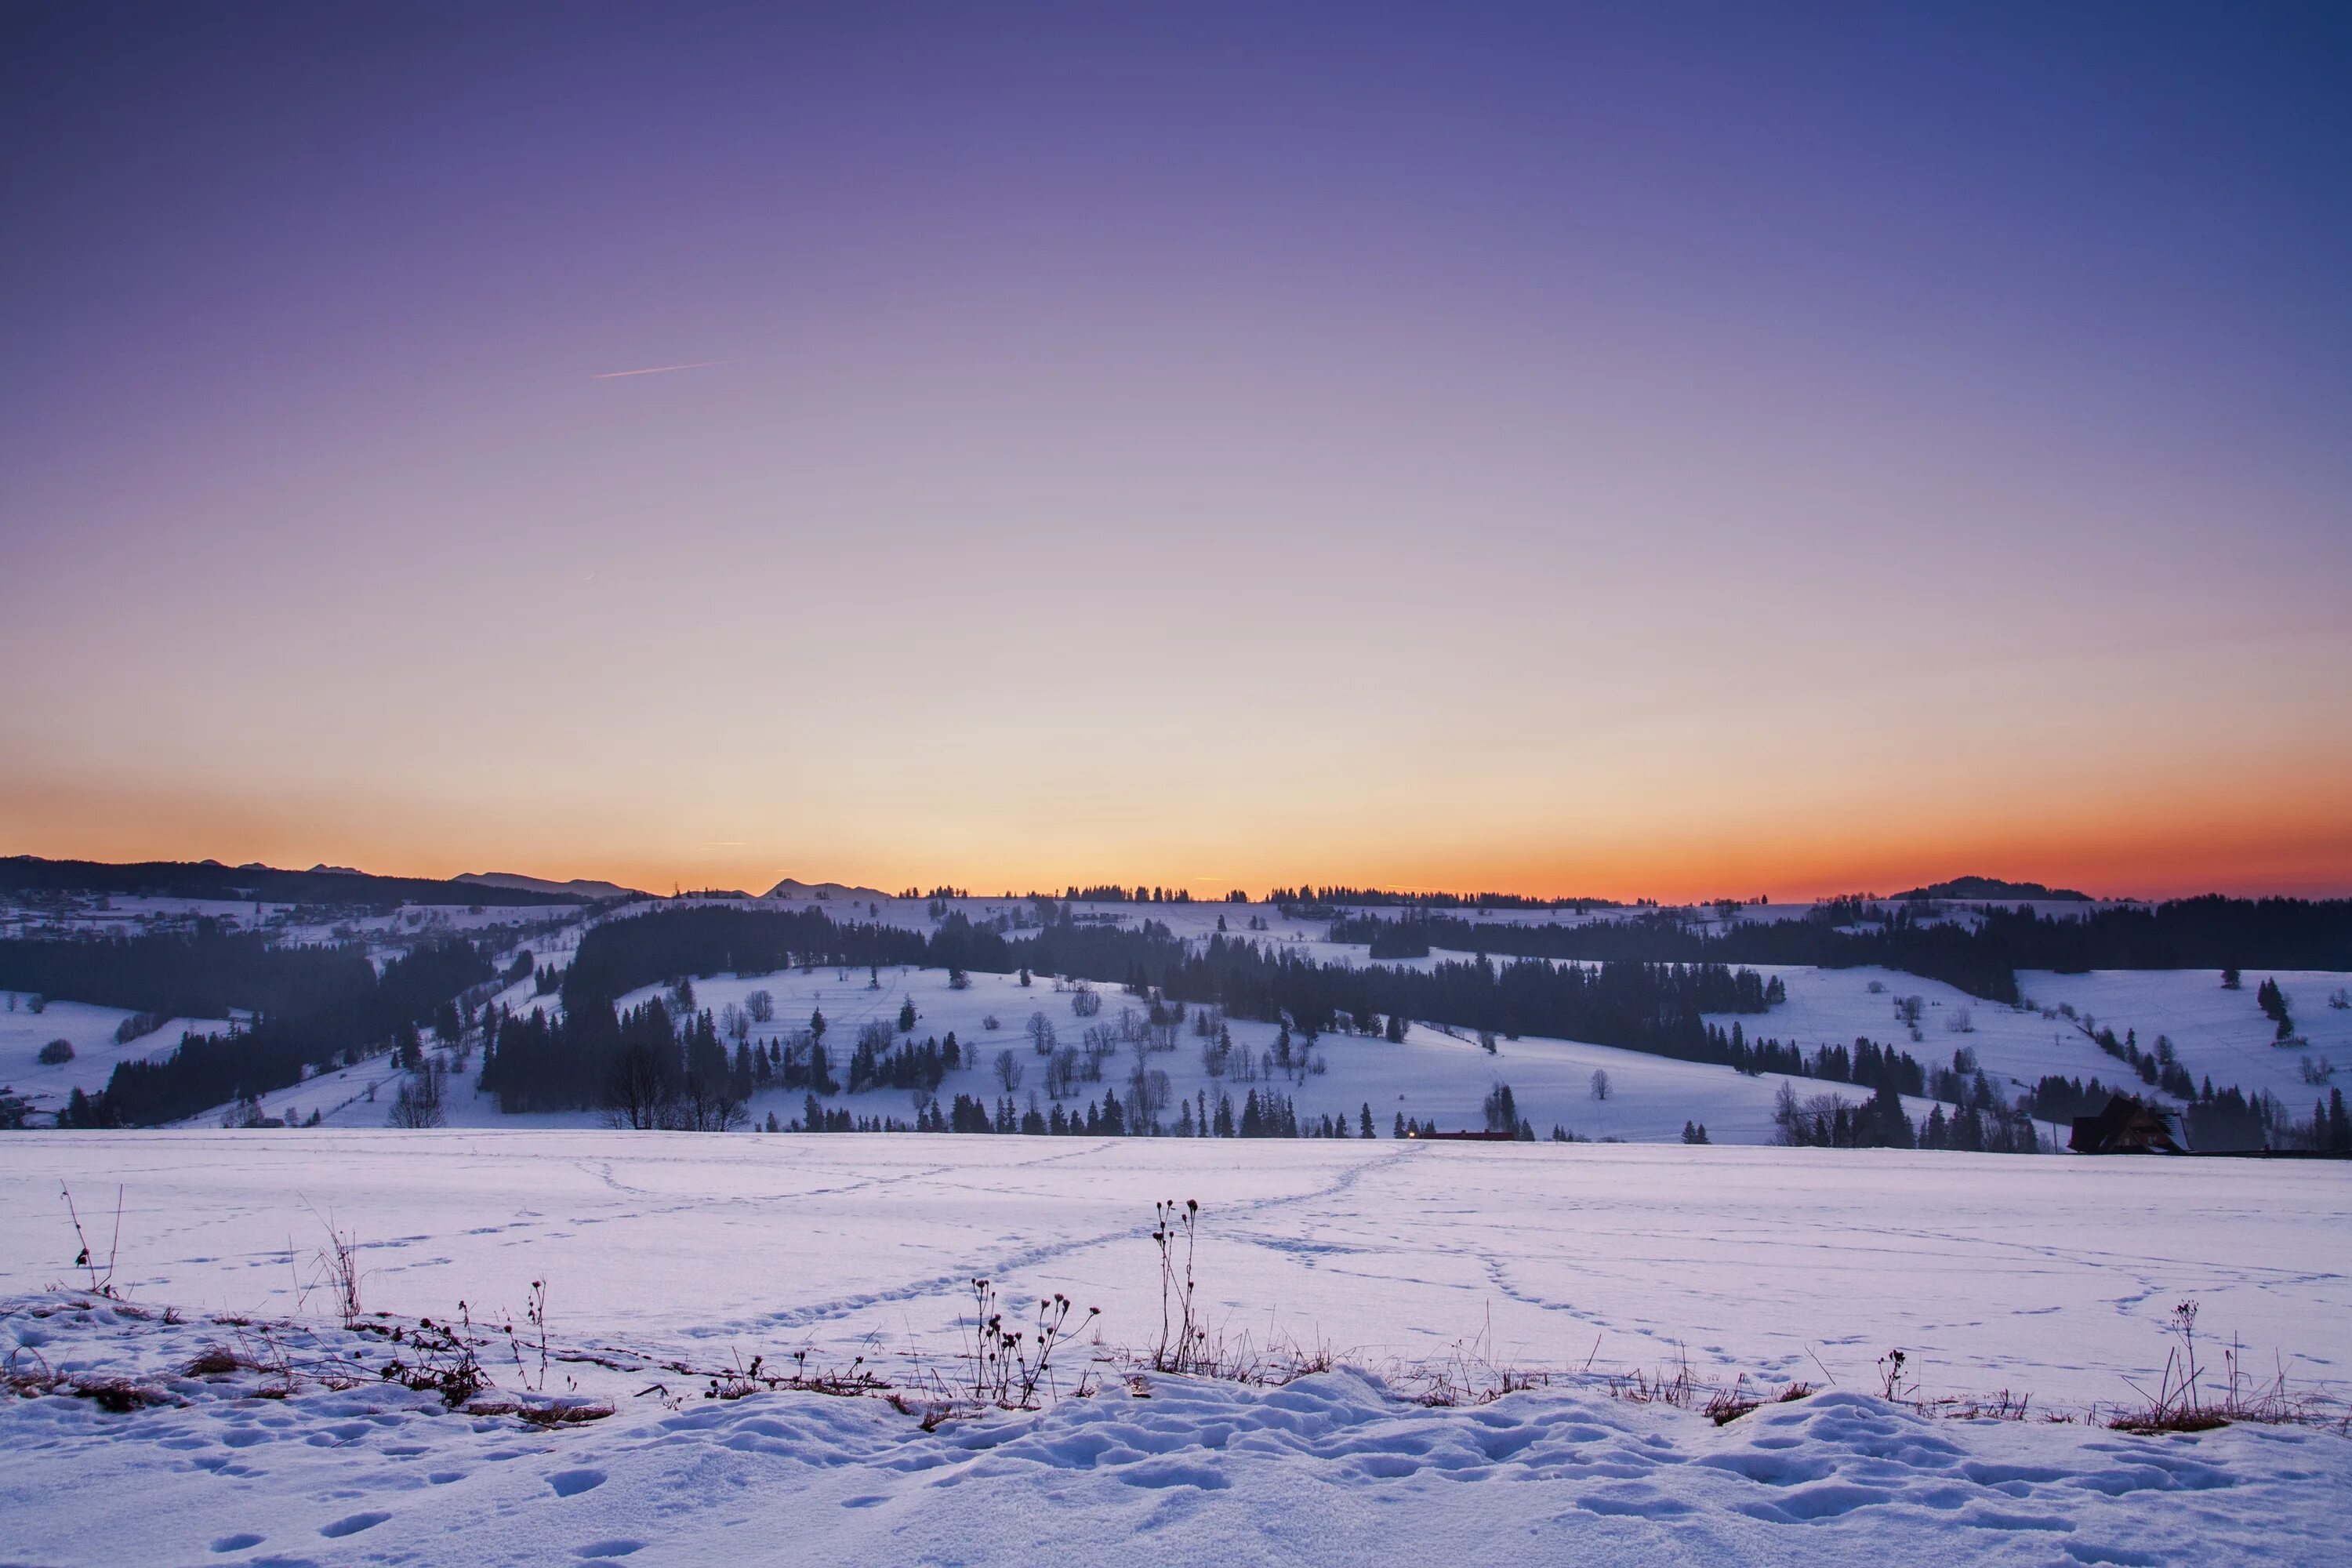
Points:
(1407, 1261)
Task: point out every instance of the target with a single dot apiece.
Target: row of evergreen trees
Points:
(1983, 959)
(1267, 1114)
(205, 973)
(325, 1007)
(1982, 1123)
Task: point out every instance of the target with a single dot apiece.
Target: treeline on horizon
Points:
(313, 1006)
(1306, 896)
(210, 879)
(2210, 932)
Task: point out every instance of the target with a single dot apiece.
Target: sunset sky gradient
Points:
(1670, 449)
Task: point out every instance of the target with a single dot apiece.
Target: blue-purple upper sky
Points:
(1668, 448)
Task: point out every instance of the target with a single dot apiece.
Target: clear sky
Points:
(1663, 450)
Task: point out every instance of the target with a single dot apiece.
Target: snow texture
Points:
(2045, 1277)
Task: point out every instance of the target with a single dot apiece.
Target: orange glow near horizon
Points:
(2161, 857)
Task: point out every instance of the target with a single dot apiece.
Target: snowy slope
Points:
(1432, 1075)
(2218, 1033)
(90, 1031)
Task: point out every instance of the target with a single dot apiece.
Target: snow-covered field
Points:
(2044, 1277)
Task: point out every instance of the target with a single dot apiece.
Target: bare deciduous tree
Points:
(637, 1088)
(418, 1103)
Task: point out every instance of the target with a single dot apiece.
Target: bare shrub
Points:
(99, 1284)
(335, 1267)
(1012, 1367)
(214, 1360)
(440, 1360)
(1183, 1341)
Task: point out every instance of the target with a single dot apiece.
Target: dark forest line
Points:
(2205, 933)
(314, 1007)
(211, 879)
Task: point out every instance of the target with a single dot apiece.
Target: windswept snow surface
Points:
(2046, 1276)
(1331, 1470)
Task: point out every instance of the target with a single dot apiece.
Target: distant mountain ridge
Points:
(1995, 887)
(825, 892)
(577, 888)
(211, 879)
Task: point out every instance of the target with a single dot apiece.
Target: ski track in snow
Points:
(957, 1286)
(2053, 1275)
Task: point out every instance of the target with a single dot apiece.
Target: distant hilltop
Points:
(826, 892)
(577, 888)
(209, 879)
(1994, 887)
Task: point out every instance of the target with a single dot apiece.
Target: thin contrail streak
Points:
(659, 369)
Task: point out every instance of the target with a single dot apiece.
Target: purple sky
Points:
(1679, 449)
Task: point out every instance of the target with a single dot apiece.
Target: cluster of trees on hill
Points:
(1904, 941)
(1654, 1007)
(2161, 1067)
(206, 973)
(2208, 932)
(317, 1007)
(1113, 893)
(1980, 1123)
(1866, 1063)
(1262, 1114)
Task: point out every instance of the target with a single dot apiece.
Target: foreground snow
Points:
(2053, 1277)
(1421, 1262)
(1329, 1469)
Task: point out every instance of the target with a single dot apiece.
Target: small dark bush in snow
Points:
(57, 1051)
